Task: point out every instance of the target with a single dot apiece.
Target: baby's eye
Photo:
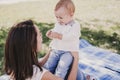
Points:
(56, 17)
(60, 17)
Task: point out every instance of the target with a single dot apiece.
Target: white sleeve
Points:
(73, 33)
(37, 74)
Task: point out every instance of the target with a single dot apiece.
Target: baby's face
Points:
(63, 16)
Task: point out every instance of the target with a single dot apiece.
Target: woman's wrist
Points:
(75, 55)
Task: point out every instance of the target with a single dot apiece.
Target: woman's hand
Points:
(75, 55)
(43, 60)
(74, 69)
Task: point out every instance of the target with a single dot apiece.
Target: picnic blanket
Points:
(101, 63)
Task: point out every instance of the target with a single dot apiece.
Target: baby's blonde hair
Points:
(68, 4)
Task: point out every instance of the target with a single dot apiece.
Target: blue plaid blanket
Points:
(101, 63)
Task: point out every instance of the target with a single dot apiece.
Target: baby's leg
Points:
(64, 65)
(52, 61)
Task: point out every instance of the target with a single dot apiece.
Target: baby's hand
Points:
(48, 34)
(56, 35)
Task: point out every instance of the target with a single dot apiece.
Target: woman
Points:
(21, 63)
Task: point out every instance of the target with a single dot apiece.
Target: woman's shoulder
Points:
(37, 74)
(44, 75)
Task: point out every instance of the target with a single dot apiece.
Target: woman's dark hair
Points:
(20, 50)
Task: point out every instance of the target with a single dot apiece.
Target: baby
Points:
(65, 39)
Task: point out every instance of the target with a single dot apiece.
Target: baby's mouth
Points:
(61, 23)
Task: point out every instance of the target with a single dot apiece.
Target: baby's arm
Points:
(56, 35)
(50, 34)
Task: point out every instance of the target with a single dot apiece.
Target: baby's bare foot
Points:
(88, 77)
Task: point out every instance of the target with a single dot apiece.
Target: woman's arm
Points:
(43, 60)
(73, 73)
(50, 76)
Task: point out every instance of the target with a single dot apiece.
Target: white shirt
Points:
(37, 74)
(70, 38)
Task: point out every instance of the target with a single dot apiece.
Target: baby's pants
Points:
(59, 62)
